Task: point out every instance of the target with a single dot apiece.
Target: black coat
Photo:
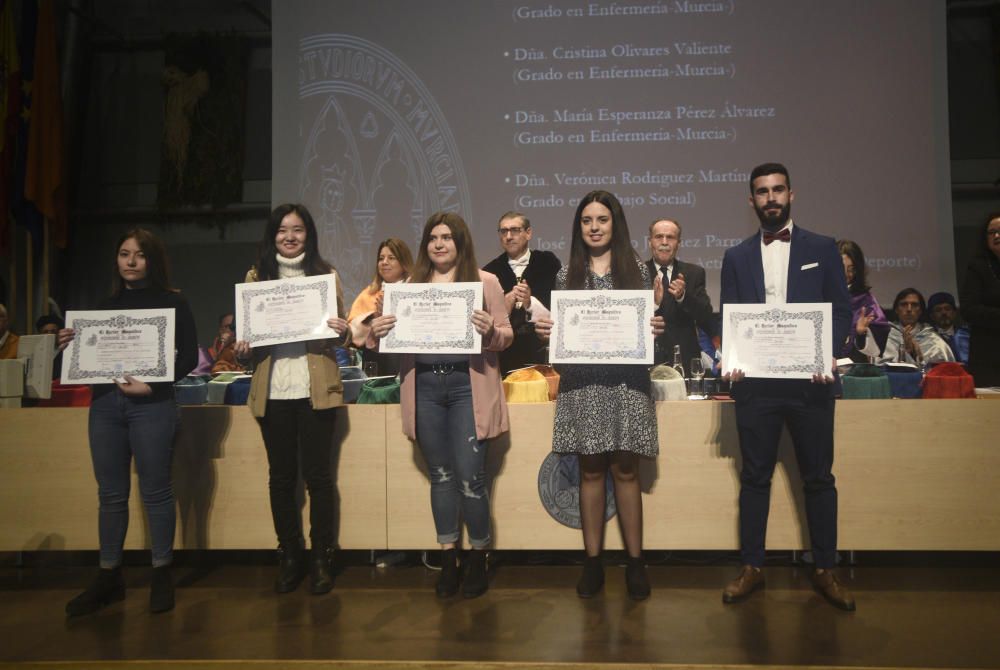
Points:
(980, 304)
(540, 275)
(684, 318)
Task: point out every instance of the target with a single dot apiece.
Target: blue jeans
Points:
(121, 428)
(446, 431)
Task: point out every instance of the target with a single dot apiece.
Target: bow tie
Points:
(519, 263)
(783, 235)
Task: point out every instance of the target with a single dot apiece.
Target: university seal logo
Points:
(377, 152)
(559, 489)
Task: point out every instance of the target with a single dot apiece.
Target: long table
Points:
(911, 475)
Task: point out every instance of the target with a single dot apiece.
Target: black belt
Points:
(443, 368)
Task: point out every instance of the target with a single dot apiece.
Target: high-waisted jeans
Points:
(293, 430)
(120, 428)
(446, 431)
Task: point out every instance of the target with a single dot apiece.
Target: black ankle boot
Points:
(107, 587)
(447, 585)
(321, 570)
(592, 580)
(636, 581)
(291, 569)
(475, 582)
(161, 590)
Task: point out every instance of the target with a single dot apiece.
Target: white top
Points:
(519, 265)
(289, 367)
(775, 259)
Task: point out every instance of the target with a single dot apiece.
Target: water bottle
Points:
(678, 366)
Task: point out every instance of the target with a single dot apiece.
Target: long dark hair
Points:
(313, 263)
(859, 284)
(400, 251)
(625, 273)
(157, 267)
(466, 267)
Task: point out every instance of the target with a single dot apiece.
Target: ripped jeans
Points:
(446, 431)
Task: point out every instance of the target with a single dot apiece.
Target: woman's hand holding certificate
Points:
(432, 318)
(602, 327)
(127, 347)
(286, 310)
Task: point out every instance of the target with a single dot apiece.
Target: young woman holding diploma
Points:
(454, 404)
(604, 413)
(134, 419)
(293, 393)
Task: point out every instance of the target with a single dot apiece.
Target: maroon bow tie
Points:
(784, 235)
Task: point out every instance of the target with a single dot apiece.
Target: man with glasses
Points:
(684, 305)
(527, 277)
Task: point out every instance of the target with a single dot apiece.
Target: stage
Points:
(942, 613)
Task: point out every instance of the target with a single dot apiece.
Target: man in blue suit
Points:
(784, 263)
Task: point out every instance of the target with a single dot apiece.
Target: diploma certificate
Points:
(432, 318)
(779, 341)
(286, 310)
(602, 327)
(110, 344)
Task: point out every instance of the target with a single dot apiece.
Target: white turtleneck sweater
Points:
(289, 368)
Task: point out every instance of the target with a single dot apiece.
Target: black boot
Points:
(636, 581)
(108, 587)
(291, 568)
(161, 590)
(592, 580)
(475, 582)
(321, 570)
(447, 585)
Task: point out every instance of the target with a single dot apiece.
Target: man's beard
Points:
(774, 221)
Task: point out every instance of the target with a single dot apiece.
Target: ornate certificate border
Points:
(640, 301)
(817, 315)
(84, 321)
(471, 293)
(245, 293)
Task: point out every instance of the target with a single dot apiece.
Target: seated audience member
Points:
(225, 336)
(8, 340)
(393, 263)
(869, 327)
(50, 324)
(526, 277)
(944, 317)
(911, 340)
(980, 296)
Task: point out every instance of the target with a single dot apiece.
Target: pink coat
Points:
(488, 402)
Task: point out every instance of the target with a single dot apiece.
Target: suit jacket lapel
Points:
(795, 257)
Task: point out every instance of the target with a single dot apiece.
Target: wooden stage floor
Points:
(935, 611)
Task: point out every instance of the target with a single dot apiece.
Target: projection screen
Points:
(386, 111)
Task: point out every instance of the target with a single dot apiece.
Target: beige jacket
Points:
(326, 390)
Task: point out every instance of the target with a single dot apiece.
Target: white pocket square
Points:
(809, 266)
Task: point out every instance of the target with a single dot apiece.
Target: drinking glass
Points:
(697, 370)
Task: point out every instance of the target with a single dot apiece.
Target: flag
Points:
(24, 211)
(10, 114)
(44, 182)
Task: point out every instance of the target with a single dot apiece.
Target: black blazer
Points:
(684, 318)
(540, 275)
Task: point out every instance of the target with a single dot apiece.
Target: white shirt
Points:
(519, 265)
(774, 257)
(289, 365)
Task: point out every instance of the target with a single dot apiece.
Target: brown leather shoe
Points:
(749, 580)
(830, 588)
